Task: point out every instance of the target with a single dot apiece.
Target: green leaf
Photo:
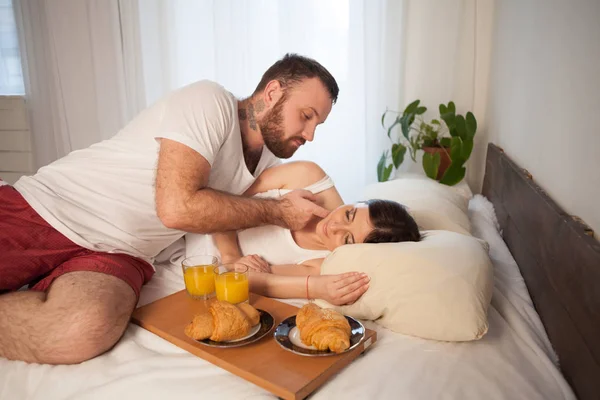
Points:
(431, 164)
(413, 153)
(471, 125)
(398, 152)
(387, 172)
(435, 121)
(453, 175)
(467, 148)
(449, 119)
(428, 142)
(420, 110)
(446, 142)
(383, 119)
(405, 124)
(414, 143)
(396, 122)
(381, 168)
(411, 107)
(443, 109)
(455, 149)
(461, 127)
(448, 113)
(451, 107)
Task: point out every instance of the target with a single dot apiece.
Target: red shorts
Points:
(34, 253)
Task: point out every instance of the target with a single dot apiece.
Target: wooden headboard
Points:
(560, 262)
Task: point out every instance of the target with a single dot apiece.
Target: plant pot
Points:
(445, 160)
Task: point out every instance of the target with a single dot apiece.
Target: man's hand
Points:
(340, 289)
(298, 208)
(255, 263)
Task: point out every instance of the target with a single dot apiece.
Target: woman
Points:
(286, 264)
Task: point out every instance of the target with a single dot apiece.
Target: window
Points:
(11, 73)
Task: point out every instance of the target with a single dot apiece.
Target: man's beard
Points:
(271, 127)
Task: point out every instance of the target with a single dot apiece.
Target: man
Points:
(85, 229)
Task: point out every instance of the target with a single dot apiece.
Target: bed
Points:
(515, 360)
(560, 261)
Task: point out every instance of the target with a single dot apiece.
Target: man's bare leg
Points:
(81, 316)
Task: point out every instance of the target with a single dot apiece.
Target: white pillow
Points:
(433, 206)
(461, 188)
(198, 243)
(439, 288)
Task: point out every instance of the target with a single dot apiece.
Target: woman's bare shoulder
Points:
(290, 175)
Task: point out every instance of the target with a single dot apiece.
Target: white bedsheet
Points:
(513, 361)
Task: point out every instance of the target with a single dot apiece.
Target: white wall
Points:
(544, 97)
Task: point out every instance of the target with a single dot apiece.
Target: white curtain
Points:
(91, 65)
(82, 69)
(234, 41)
(447, 57)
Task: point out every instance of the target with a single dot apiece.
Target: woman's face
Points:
(346, 224)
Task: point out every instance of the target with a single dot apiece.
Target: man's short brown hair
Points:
(293, 69)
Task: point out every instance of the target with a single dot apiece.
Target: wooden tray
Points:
(285, 374)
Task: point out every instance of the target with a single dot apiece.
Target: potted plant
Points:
(447, 142)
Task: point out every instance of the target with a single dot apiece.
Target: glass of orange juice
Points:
(198, 275)
(231, 283)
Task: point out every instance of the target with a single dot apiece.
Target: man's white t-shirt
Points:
(102, 197)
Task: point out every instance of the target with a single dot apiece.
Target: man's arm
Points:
(184, 202)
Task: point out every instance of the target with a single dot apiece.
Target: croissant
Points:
(223, 321)
(323, 328)
(251, 313)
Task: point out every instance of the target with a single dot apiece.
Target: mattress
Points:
(514, 360)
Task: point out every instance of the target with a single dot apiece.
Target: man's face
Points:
(293, 119)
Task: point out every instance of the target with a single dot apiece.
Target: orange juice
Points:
(199, 280)
(232, 287)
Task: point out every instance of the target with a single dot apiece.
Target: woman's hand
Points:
(255, 263)
(339, 289)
